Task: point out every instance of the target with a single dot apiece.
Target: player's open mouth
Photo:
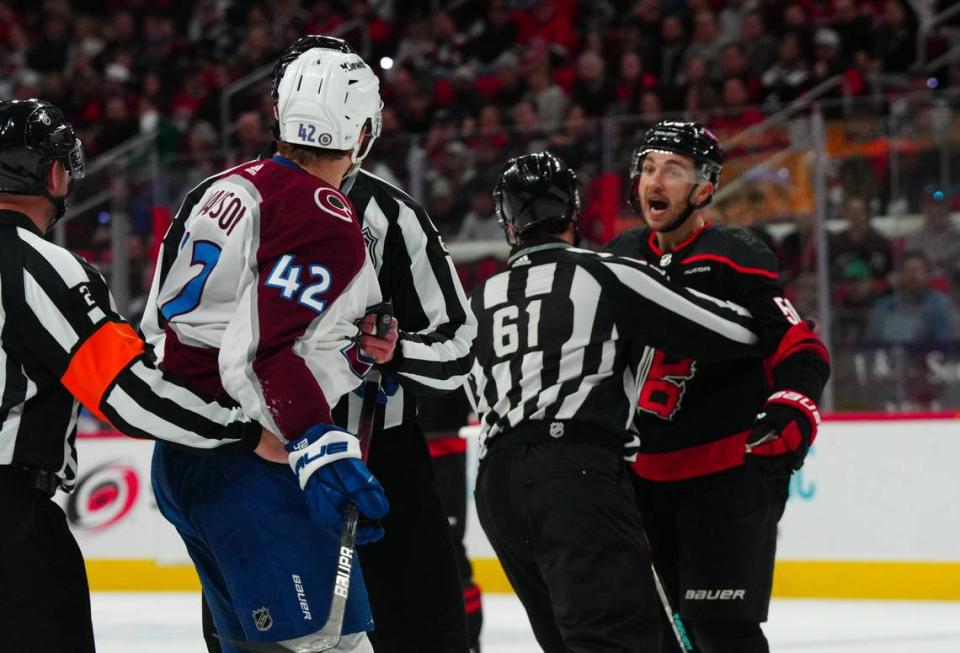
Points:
(657, 207)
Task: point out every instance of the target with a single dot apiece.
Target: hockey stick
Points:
(329, 636)
(673, 617)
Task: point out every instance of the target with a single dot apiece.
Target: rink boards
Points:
(873, 514)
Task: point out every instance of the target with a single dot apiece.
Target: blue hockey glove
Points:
(327, 463)
(388, 387)
(782, 433)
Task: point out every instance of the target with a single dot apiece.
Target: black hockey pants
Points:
(564, 523)
(44, 599)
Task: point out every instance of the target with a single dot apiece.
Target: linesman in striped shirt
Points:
(62, 344)
(564, 341)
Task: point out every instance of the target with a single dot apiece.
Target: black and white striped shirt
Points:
(565, 335)
(62, 343)
(416, 273)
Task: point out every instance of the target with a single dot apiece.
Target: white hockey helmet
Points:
(324, 99)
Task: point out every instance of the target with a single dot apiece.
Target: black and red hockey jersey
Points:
(694, 416)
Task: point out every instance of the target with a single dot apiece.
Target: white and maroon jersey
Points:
(259, 285)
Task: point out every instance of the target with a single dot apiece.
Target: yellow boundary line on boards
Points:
(793, 579)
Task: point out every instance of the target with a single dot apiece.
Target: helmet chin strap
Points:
(59, 203)
(59, 207)
(688, 211)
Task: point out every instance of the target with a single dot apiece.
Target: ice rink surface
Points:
(165, 622)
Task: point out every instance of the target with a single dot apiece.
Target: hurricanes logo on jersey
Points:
(665, 384)
(332, 202)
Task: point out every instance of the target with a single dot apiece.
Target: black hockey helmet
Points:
(301, 45)
(688, 139)
(685, 138)
(34, 134)
(536, 189)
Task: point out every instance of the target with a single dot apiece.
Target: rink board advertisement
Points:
(871, 515)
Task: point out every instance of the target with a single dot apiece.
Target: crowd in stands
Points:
(475, 82)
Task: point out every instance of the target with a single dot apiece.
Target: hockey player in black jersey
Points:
(558, 358)
(718, 441)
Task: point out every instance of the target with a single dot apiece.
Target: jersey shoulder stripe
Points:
(737, 248)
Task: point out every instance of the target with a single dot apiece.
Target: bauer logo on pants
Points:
(262, 619)
(103, 496)
(715, 595)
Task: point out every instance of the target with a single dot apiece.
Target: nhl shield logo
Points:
(262, 619)
(665, 260)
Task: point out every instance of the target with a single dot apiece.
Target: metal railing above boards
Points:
(788, 176)
(129, 174)
(929, 22)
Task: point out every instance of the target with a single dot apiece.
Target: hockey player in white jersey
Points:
(256, 300)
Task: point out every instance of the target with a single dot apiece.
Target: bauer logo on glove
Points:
(782, 433)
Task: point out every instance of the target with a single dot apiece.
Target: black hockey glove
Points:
(782, 433)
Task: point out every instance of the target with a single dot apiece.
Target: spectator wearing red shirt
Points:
(551, 22)
(737, 115)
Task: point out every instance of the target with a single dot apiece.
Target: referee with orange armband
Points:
(62, 344)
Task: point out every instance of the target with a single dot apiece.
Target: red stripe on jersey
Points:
(472, 606)
(726, 261)
(471, 599)
(689, 239)
(693, 461)
(447, 446)
(799, 337)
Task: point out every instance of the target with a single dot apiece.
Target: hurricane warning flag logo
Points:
(103, 496)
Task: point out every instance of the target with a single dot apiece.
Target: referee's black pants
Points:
(44, 597)
(564, 523)
(411, 574)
